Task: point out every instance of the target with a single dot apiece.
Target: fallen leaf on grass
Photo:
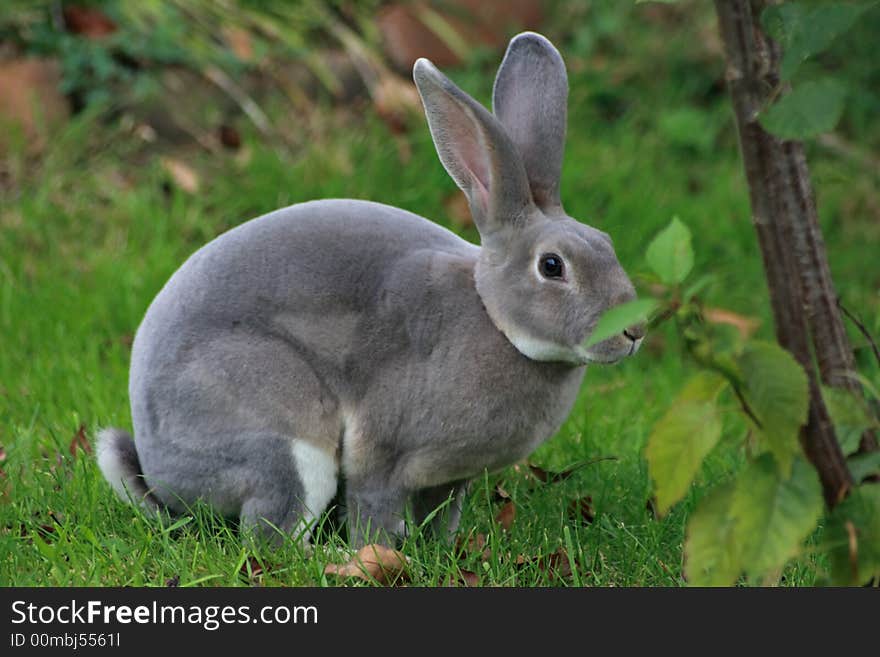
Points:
(2, 453)
(474, 544)
(251, 568)
(582, 510)
(550, 477)
(46, 532)
(506, 515)
(80, 441)
(466, 578)
(183, 175)
(556, 563)
(373, 563)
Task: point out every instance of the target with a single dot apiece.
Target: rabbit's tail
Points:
(121, 467)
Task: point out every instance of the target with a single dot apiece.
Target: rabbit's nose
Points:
(634, 333)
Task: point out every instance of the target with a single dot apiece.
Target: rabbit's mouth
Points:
(608, 352)
(613, 350)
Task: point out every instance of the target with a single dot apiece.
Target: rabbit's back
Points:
(313, 266)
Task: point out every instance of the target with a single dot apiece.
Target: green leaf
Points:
(775, 386)
(683, 437)
(670, 254)
(852, 536)
(781, 21)
(850, 415)
(754, 524)
(804, 31)
(616, 319)
(774, 513)
(710, 556)
(810, 109)
(864, 465)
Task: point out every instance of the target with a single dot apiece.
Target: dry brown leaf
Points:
(46, 532)
(251, 568)
(90, 22)
(550, 477)
(474, 544)
(229, 136)
(557, 563)
(745, 325)
(582, 510)
(183, 175)
(539, 473)
(373, 563)
(506, 515)
(80, 441)
(466, 578)
(2, 453)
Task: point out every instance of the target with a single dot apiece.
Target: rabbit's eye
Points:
(551, 266)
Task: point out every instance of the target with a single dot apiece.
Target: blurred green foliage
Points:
(150, 34)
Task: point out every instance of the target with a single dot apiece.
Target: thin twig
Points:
(862, 328)
(745, 406)
(247, 104)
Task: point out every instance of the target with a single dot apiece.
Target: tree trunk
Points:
(807, 318)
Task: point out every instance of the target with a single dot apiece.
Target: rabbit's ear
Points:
(475, 150)
(529, 99)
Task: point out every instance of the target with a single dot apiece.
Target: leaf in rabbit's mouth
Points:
(615, 320)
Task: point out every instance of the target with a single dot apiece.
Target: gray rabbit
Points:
(344, 340)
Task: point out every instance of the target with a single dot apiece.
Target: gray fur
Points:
(530, 99)
(372, 341)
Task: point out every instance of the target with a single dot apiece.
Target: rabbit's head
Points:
(544, 277)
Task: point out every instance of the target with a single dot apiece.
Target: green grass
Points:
(82, 255)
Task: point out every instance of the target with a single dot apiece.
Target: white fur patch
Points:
(317, 469)
(543, 350)
(352, 443)
(111, 466)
